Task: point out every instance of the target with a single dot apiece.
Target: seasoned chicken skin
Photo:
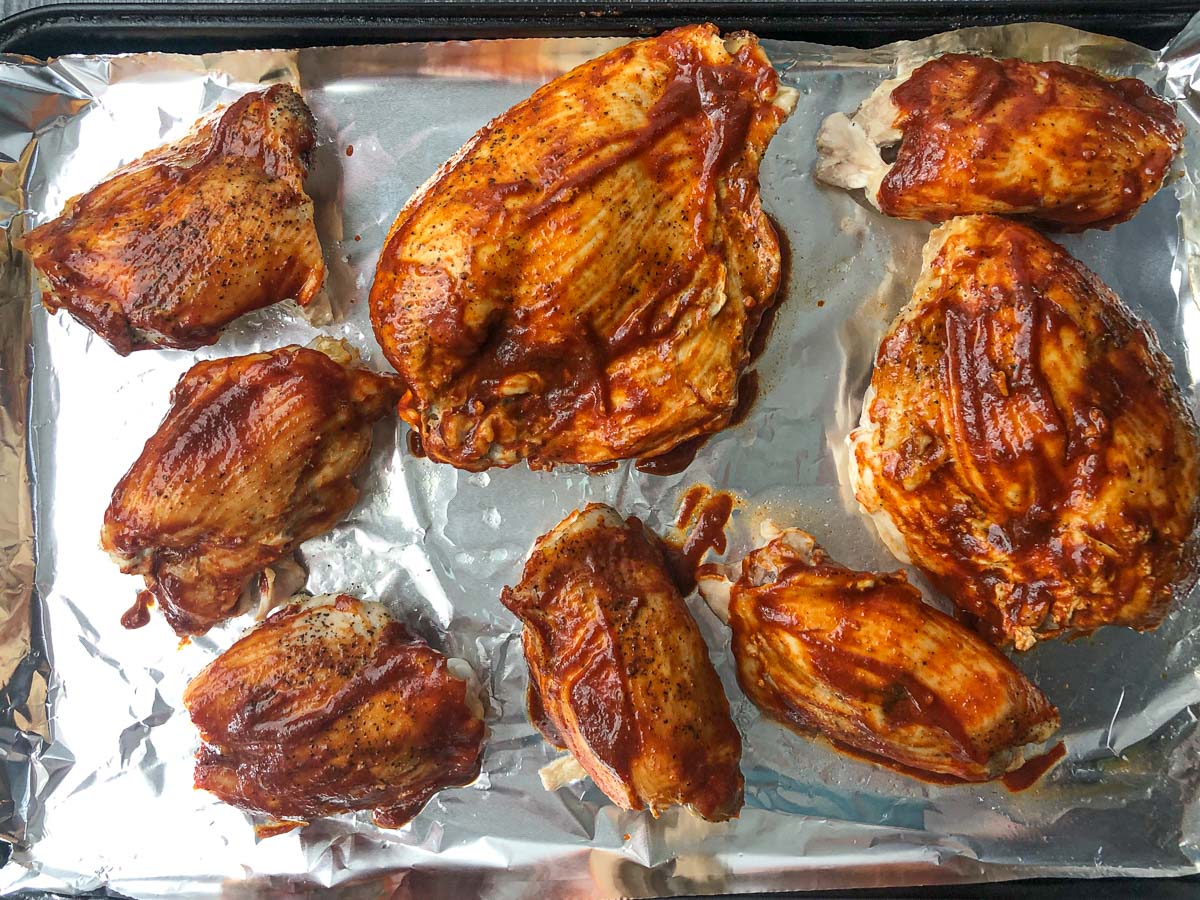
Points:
(858, 658)
(254, 457)
(1024, 441)
(580, 283)
(172, 248)
(618, 672)
(1057, 144)
(329, 706)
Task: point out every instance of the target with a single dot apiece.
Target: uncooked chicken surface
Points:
(170, 249)
(254, 457)
(1024, 441)
(581, 282)
(1055, 143)
(619, 674)
(858, 658)
(330, 706)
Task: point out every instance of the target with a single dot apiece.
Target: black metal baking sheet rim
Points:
(57, 29)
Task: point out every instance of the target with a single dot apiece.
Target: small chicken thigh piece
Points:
(583, 280)
(331, 706)
(172, 248)
(619, 674)
(858, 658)
(255, 456)
(1024, 441)
(1054, 143)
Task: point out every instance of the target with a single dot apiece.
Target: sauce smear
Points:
(704, 514)
(276, 826)
(673, 461)
(1029, 774)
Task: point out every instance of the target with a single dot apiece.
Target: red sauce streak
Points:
(270, 829)
(415, 447)
(1029, 774)
(707, 514)
(138, 615)
(687, 507)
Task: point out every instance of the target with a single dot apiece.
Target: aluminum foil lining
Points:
(96, 788)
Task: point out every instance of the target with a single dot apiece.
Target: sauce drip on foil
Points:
(1033, 770)
(703, 516)
(138, 615)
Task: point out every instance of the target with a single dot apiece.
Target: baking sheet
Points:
(96, 784)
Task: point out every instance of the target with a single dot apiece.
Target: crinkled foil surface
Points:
(97, 776)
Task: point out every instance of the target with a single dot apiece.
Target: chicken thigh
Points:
(172, 248)
(581, 282)
(1024, 442)
(330, 706)
(618, 672)
(254, 457)
(858, 658)
(1054, 143)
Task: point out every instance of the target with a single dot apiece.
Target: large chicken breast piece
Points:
(619, 674)
(172, 248)
(256, 455)
(856, 657)
(1024, 441)
(1054, 143)
(581, 281)
(330, 706)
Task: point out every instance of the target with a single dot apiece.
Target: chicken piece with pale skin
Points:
(173, 247)
(858, 658)
(255, 456)
(619, 674)
(330, 706)
(1023, 441)
(1053, 143)
(582, 281)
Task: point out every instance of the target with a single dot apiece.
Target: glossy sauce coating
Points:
(1028, 441)
(619, 673)
(254, 457)
(1056, 143)
(330, 706)
(858, 658)
(582, 281)
(173, 247)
